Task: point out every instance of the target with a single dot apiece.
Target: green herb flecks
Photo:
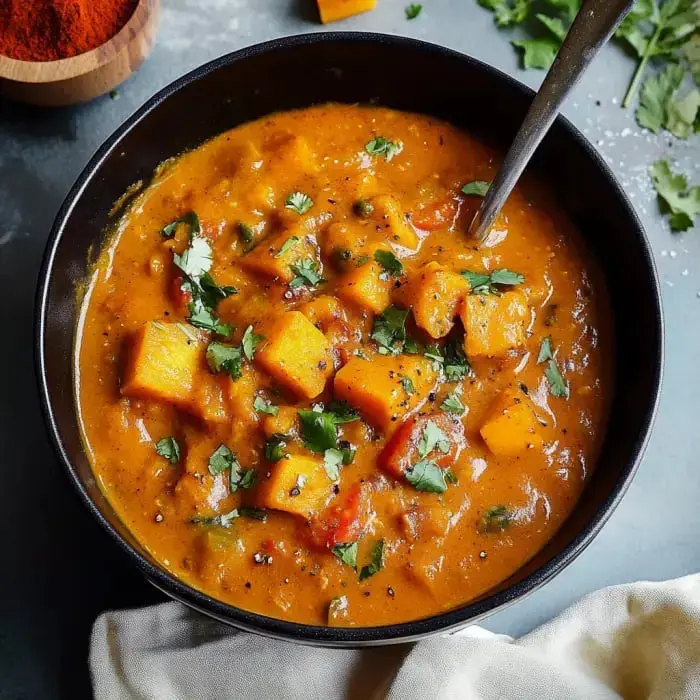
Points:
(675, 197)
(413, 10)
(477, 188)
(307, 274)
(347, 553)
(191, 220)
(389, 330)
(250, 342)
(453, 403)
(496, 519)
(491, 282)
(168, 448)
(225, 358)
(299, 202)
(383, 146)
(332, 461)
(426, 475)
(432, 438)
(275, 447)
(391, 265)
(262, 406)
(558, 386)
(376, 561)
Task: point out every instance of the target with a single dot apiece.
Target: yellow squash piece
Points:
(493, 324)
(386, 388)
(332, 10)
(298, 485)
(296, 354)
(163, 362)
(388, 214)
(364, 287)
(275, 255)
(436, 295)
(511, 426)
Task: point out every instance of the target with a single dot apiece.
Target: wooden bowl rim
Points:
(45, 71)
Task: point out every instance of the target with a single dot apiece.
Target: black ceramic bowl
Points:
(403, 74)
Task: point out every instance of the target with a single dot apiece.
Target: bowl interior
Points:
(398, 73)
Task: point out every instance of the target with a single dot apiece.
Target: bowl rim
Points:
(411, 630)
(42, 72)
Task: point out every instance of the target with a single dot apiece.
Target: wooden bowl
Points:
(87, 75)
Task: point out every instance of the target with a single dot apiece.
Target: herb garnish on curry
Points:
(308, 394)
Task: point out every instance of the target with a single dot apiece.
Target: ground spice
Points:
(47, 30)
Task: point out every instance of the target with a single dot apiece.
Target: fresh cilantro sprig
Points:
(299, 202)
(675, 196)
(491, 282)
(558, 386)
(169, 449)
(383, 146)
(376, 561)
(319, 428)
(389, 330)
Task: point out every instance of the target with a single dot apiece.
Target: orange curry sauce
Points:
(322, 219)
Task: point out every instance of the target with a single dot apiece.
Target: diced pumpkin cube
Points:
(388, 213)
(241, 395)
(494, 324)
(386, 388)
(511, 426)
(364, 287)
(324, 312)
(284, 423)
(163, 361)
(298, 485)
(276, 254)
(288, 153)
(209, 401)
(343, 244)
(333, 10)
(436, 295)
(296, 354)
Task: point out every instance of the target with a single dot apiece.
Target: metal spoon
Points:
(593, 26)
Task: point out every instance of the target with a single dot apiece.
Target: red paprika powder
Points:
(47, 30)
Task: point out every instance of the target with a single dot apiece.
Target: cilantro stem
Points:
(641, 67)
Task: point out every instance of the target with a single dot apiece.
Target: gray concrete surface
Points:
(58, 570)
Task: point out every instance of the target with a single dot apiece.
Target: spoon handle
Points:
(593, 26)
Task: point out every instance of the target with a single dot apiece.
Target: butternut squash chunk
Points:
(436, 296)
(241, 395)
(511, 426)
(284, 423)
(364, 287)
(333, 10)
(386, 388)
(296, 354)
(209, 401)
(163, 361)
(275, 255)
(388, 213)
(297, 485)
(493, 324)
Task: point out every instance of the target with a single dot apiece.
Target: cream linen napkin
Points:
(639, 640)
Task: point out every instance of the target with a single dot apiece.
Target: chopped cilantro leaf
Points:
(558, 386)
(299, 202)
(223, 520)
(225, 358)
(241, 479)
(190, 219)
(291, 241)
(262, 406)
(407, 384)
(168, 448)
(453, 403)
(675, 197)
(202, 317)
(253, 513)
(489, 283)
(318, 430)
(496, 519)
(306, 274)
(545, 350)
(456, 365)
(427, 476)
(391, 264)
(332, 461)
(476, 187)
(343, 412)
(389, 330)
(222, 459)
(383, 146)
(537, 53)
(376, 561)
(432, 438)
(274, 447)
(250, 342)
(412, 11)
(195, 260)
(347, 553)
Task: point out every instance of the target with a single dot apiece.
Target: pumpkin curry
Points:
(308, 394)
